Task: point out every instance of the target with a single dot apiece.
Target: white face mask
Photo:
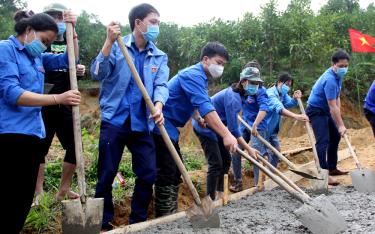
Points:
(215, 70)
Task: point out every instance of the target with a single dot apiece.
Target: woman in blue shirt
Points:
(22, 67)
(228, 104)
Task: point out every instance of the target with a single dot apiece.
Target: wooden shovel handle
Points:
(268, 145)
(162, 129)
(76, 116)
(281, 175)
(310, 133)
(302, 197)
(352, 152)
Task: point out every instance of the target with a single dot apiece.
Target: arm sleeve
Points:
(161, 92)
(233, 106)
(102, 66)
(289, 102)
(330, 89)
(274, 103)
(194, 88)
(53, 62)
(263, 101)
(10, 88)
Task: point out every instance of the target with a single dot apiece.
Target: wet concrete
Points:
(272, 212)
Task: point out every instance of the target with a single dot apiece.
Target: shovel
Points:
(363, 179)
(201, 214)
(292, 166)
(82, 215)
(322, 185)
(318, 214)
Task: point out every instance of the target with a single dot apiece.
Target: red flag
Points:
(361, 43)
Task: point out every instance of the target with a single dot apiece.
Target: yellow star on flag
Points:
(364, 41)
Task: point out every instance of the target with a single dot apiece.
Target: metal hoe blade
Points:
(305, 175)
(85, 219)
(203, 216)
(363, 180)
(321, 217)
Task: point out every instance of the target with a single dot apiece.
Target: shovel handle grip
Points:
(352, 152)
(311, 136)
(162, 129)
(76, 116)
(302, 197)
(268, 145)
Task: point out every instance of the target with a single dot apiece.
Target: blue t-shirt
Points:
(188, 90)
(325, 89)
(370, 98)
(228, 105)
(251, 107)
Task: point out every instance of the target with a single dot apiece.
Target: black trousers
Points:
(370, 116)
(59, 120)
(167, 172)
(219, 159)
(20, 164)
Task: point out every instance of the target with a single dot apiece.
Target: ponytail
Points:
(38, 22)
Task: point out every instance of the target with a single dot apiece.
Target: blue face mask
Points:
(341, 71)
(251, 89)
(284, 89)
(35, 48)
(62, 28)
(152, 33)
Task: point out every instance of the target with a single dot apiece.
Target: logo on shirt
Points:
(250, 100)
(154, 69)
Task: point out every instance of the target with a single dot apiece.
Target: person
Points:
(280, 101)
(324, 113)
(228, 104)
(123, 110)
(58, 119)
(254, 111)
(22, 67)
(369, 106)
(188, 91)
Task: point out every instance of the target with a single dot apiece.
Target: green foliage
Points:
(45, 217)
(192, 159)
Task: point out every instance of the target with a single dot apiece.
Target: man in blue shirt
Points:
(369, 107)
(324, 113)
(125, 119)
(188, 91)
(280, 101)
(228, 104)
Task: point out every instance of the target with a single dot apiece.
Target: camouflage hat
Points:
(251, 73)
(55, 7)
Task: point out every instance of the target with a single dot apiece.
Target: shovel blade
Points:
(320, 186)
(203, 216)
(82, 219)
(363, 180)
(321, 217)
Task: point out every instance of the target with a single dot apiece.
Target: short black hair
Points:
(284, 77)
(140, 12)
(253, 63)
(38, 22)
(214, 48)
(339, 55)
